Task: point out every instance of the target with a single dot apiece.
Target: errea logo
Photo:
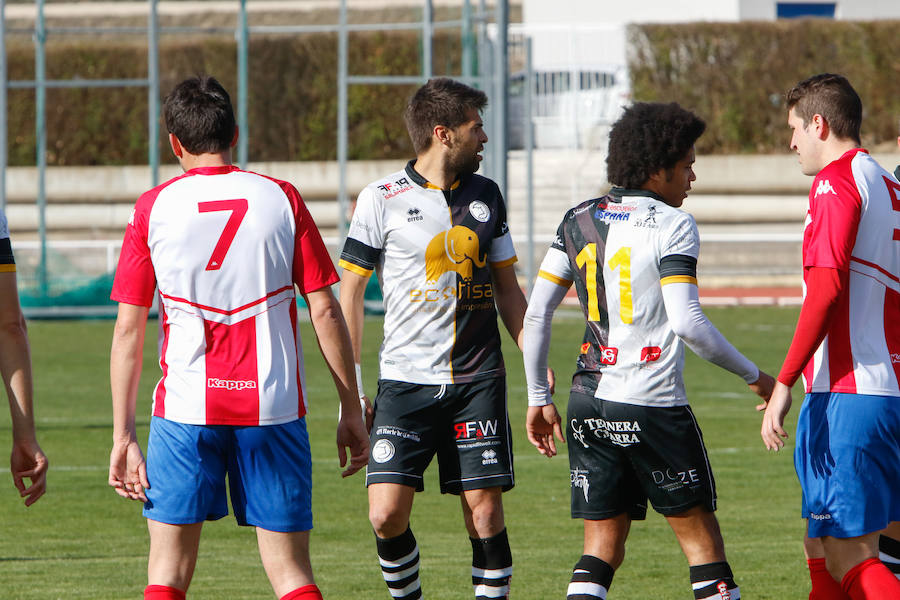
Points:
(824, 188)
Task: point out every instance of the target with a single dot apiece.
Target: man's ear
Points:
(443, 134)
(175, 143)
(821, 126)
(235, 138)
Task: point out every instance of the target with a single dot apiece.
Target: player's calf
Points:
(163, 592)
(491, 566)
(399, 558)
(714, 581)
(591, 579)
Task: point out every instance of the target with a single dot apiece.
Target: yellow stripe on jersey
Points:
(354, 268)
(554, 279)
(504, 263)
(678, 279)
(431, 186)
(10, 268)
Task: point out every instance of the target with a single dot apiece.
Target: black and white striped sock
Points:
(714, 581)
(591, 579)
(399, 558)
(889, 553)
(491, 567)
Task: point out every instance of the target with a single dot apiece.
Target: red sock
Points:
(163, 592)
(306, 592)
(824, 587)
(871, 580)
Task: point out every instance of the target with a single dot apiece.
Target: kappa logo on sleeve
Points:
(824, 188)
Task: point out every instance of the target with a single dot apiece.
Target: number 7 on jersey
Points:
(238, 208)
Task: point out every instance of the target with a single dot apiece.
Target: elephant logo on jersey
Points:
(456, 249)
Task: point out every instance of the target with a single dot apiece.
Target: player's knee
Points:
(387, 521)
(487, 518)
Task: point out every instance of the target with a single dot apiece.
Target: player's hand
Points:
(773, 420)
(763, 387)
(128, 470)
(541, 424)
(351, 433)
(29, 461)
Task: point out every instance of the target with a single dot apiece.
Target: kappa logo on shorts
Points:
(232, 385)
(489, 457)
(382, 451)
(818, 517)
(579, 479)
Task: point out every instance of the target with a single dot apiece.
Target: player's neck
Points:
(835, 148)
(196, 161)
(431, 165)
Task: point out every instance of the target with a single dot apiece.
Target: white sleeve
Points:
(545, 297)
(691, 325)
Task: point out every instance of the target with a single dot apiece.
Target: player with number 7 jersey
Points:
(225, 270)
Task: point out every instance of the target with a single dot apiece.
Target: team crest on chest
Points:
(480, 211)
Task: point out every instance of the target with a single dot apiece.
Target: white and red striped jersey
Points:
(7, 262)
(225, 248)
(853, 224)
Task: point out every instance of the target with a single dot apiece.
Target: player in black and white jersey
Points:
(632, 255)
(436, 235)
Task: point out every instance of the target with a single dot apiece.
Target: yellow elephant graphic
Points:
(456, 249)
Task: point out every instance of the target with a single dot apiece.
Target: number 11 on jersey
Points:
(621, 260)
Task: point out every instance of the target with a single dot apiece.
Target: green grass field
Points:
(82, 541)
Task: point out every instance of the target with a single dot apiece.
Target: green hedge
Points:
(735, 75)
(292, 89)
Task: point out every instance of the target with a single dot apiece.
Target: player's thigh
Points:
(186, 466)
(670, 459)
(404, 433)
(847, 458)
(602, 478)
(270, 476)
(475, 439)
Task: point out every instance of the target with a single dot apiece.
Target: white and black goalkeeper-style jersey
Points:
(433, 251)
(621, 250)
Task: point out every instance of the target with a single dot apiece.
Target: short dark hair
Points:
(441, 101)
(648, 137)
(198, 111)
(834, 98)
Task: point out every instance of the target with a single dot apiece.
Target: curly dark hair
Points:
(648, 137)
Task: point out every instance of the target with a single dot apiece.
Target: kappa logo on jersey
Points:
(824, 188)
(608, 355)
(489, 457)
(650, 353)
(468, 430)
(414, 215)
(579, 479)
(396, 187)
(480, 211)
(456, 249)
(235, 385)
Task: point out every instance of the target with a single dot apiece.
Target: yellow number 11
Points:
(621, 260)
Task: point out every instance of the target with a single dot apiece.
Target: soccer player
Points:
(632, 255)
(847, 453)
(225, 248)
(27, 460)
(436, 234)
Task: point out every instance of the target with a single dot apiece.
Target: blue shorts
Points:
(848, 460)
(269, 474)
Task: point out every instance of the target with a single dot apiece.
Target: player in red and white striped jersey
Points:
(225, 249)
(847, 346)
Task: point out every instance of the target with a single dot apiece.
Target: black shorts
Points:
(466, 424)
(621, 455)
